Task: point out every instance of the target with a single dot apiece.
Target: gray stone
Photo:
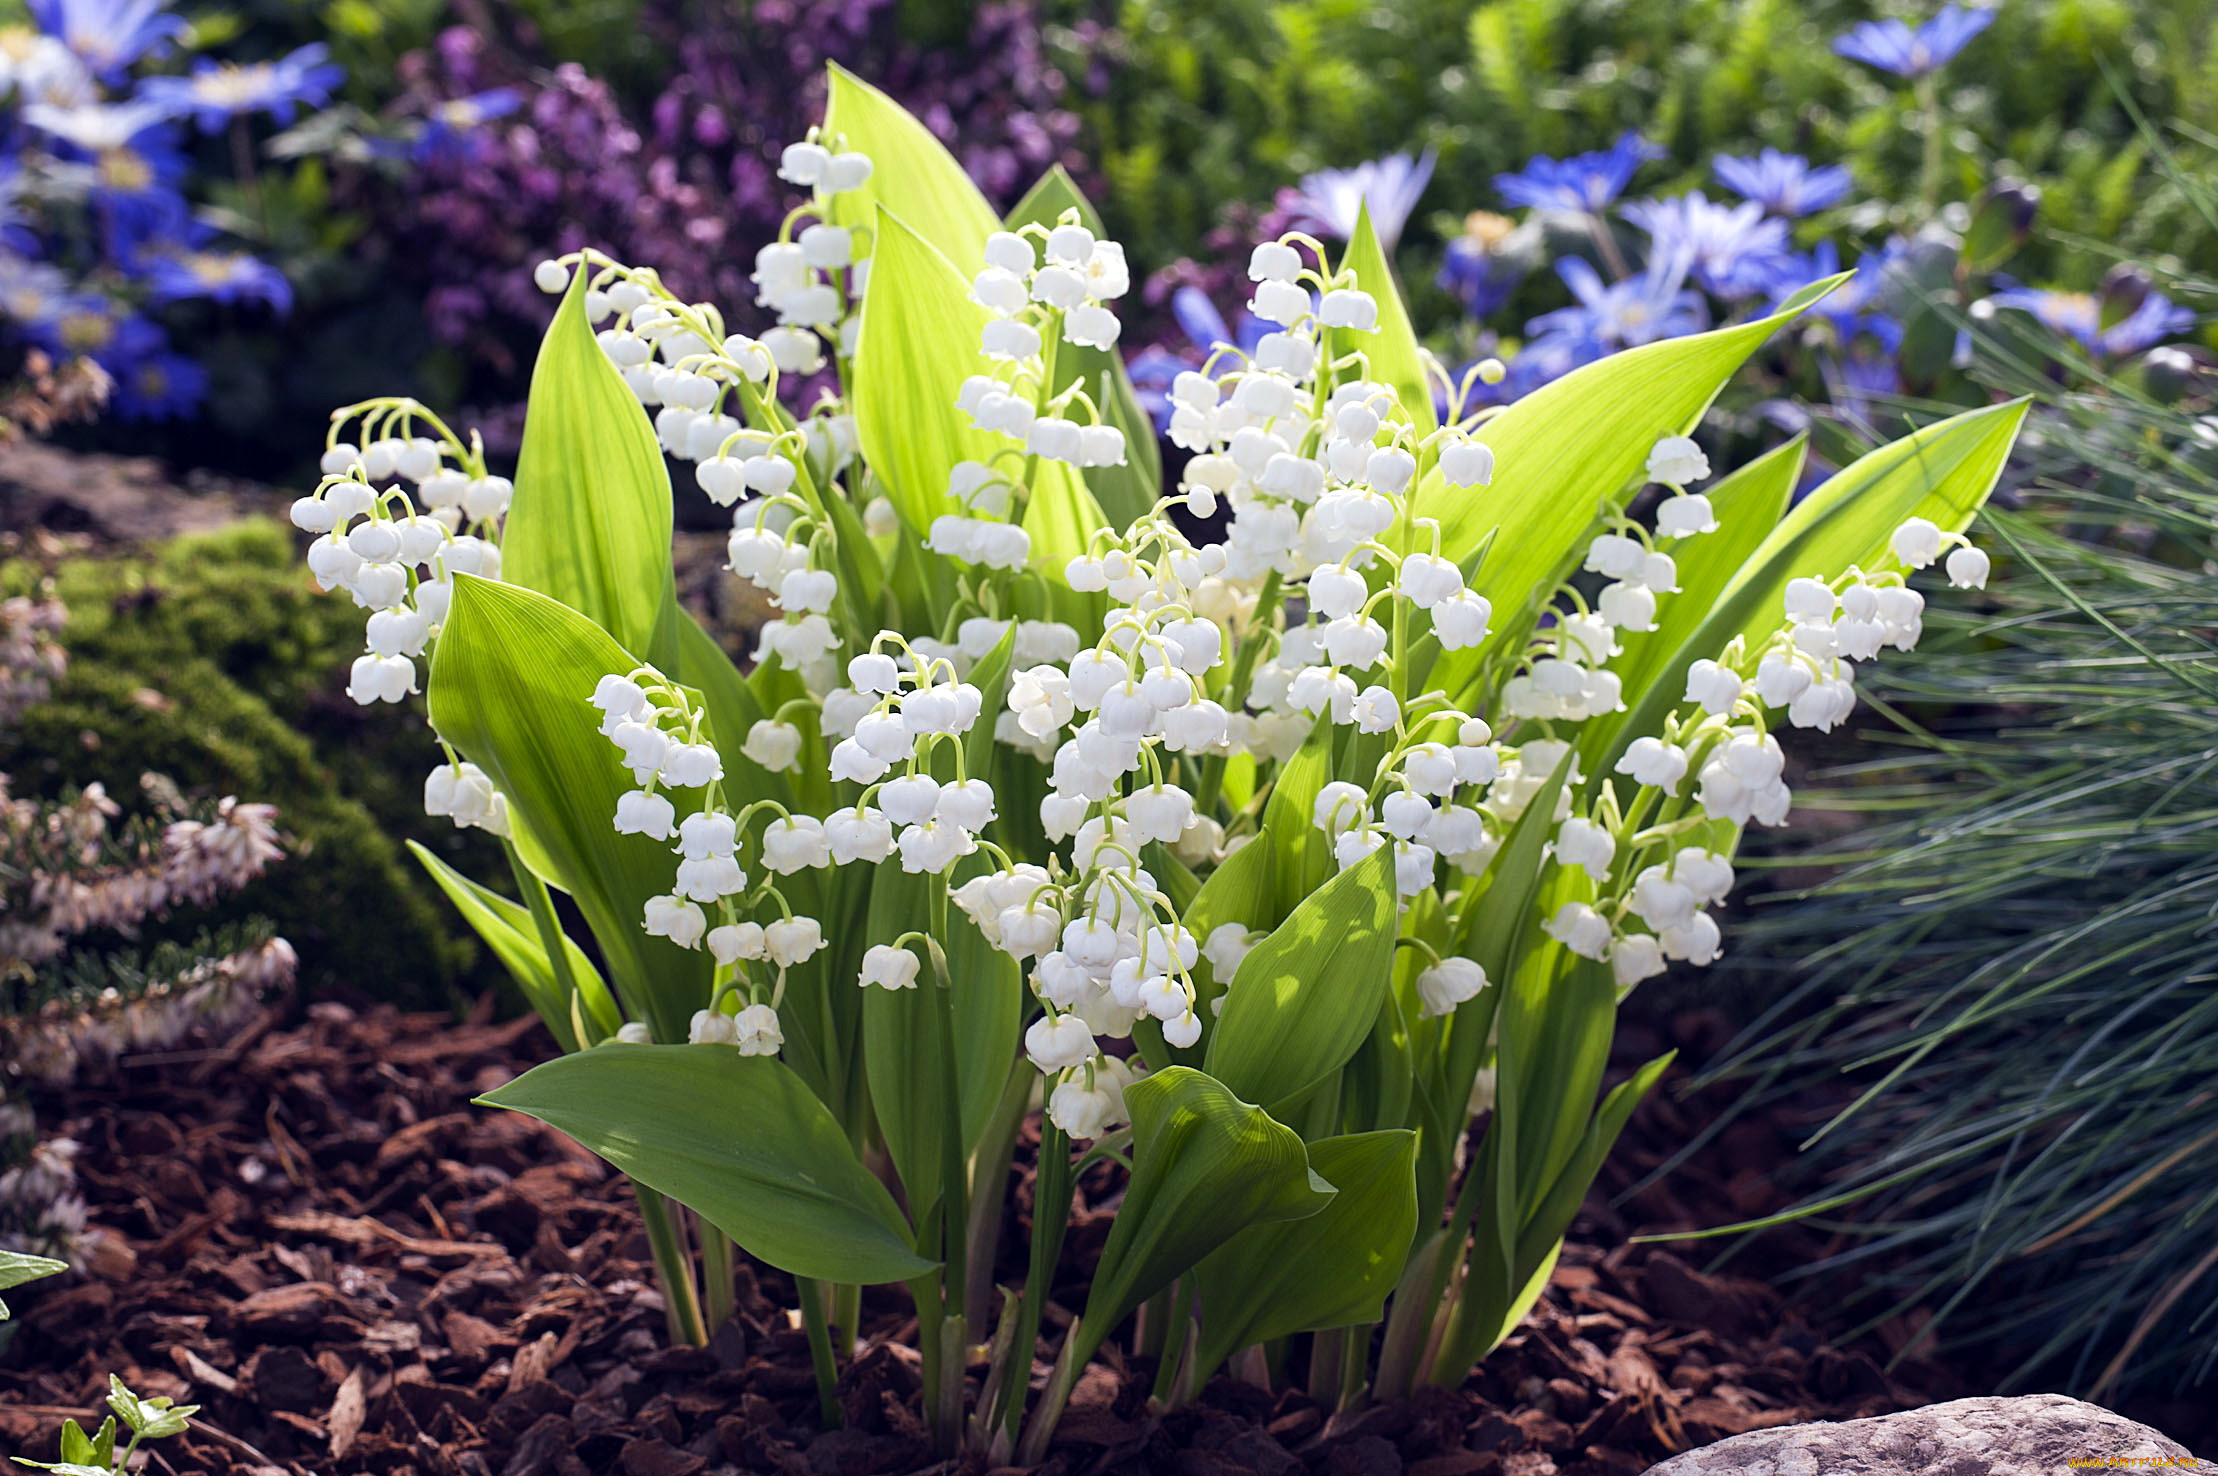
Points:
(2032, 1435)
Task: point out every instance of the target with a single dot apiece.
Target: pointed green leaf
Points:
(511, 683)
(1942, 473)
(590, 524)
(16, 1268)
(1564, 448)
(1306, 996)
(1334, 1268)
(1124, 492)
(1205, 1166)
(919, 342)
(739, 1139)
(1394, 355)
(912, 174)
(509, 929)
(1748, 505)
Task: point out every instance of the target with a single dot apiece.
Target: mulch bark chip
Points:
(312, 1234)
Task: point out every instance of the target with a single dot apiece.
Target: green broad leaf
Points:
(511, 683)
(1205, 1166)
(1243, 890)
(912, 174)
(991, 676)
(905, 1048)
(1124, 492)
(97, 1450)
(1304, 856)
(741, 1140)
(1306, 996)
(1942, 473)
(1556, 1020)
(919, 342)
(1394, 355)
(513, 934)
(1549, 1220)
(1333, 1269)
(590, 524)
(1748, 505)
(16, 1268)
(1563, 449)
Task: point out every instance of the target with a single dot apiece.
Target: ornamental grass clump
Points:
(1265, 860)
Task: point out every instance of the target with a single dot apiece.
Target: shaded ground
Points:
(313, 1234)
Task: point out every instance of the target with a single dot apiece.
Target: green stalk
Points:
(820, 1350)
(1324, 1368)
(1051, 1194)
(989, 1166)
(1929, 172)
(847, 1313)
(673, 1267)
(1236, 689)
(1033, 1448)
(718, 1292)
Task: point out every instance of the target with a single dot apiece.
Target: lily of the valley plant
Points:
(1266, 830)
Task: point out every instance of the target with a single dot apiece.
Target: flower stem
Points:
(673, 1266)
(820, 1350)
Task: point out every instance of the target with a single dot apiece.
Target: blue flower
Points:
(108, 35)
(32, 294)
(1474, 272)
(1893, 47)
(1783, 184)
(160, 386)
(1733, 251)
(1389, 186)
(449, 130)
(1614, 315)
(95, 327)
(217, 92)
(219, 276)
(1584, 183)
(2078, 316)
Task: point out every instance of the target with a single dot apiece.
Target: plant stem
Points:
(820, 1350)
(1033, 1448)
(1929, 173)
(1236, 687)
(1324, 1368)
(847, 1310)
(673, 1267)
(717, 1290)
(1050, 1214)
(989, 1172)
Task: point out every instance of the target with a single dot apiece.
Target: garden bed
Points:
(313, 1234)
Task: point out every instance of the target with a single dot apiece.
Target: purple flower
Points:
(217, 92)
(218, 276)
(1892, 46)
(1783, 184)
(2078, 316)
(161, 386)
(1389, 186)
(1614, 315)
(108, 35)
(1584, 183)
(1733, 251)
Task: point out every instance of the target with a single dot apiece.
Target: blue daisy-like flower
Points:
(1784, 184)
(2078, 316)
(160, 386)
(450, 131)
(1614, 315)
(218, 276)
(1388, 187)
(1733, 251)
(1892, 46)
(1583, 183)
(108, 35)
(217, 92)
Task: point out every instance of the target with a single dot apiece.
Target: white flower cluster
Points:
(1807, 668)
(395, 552)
